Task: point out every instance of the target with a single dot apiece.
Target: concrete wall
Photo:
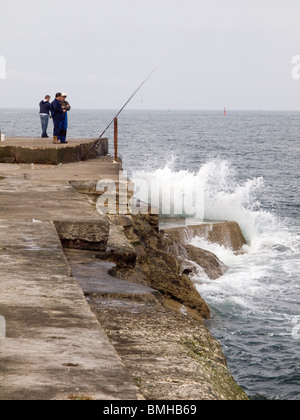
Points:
(40, 151)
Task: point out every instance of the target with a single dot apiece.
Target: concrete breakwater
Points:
(141, 336)
(227, 234)
(41, 151)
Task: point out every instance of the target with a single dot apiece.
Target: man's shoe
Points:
(55, 140)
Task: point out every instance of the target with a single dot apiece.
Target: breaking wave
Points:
(222, 196)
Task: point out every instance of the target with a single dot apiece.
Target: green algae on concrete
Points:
(170, 356)
(212, 359)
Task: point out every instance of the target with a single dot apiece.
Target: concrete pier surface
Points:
(44, 192)
(54, 348)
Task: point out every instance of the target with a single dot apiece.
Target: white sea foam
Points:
(175, 194)
(222, 196)
(269, 241)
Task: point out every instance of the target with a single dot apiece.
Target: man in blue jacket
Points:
(45, 107)
(57, 114)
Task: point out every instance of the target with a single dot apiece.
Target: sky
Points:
(210, 54)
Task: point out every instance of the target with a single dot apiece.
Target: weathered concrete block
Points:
(227, 234)
(122, 251)
(35, 155)
(7, 154)
(69, 154)
(100, 150)
(89, 235)
(40, 151)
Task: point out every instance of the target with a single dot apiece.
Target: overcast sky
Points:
(210, 53)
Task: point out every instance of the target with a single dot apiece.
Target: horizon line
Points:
(164, 109)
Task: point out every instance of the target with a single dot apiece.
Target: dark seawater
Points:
(250, 162)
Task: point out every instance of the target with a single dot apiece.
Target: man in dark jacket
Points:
(57, 114)
(64, 123)
(44, 115)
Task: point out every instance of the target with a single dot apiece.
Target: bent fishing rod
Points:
(96, 143)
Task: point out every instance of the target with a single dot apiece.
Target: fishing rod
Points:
(122, 109)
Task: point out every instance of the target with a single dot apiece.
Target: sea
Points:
(249, 162)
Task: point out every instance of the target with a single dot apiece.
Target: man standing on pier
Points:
(44, 115)
(57, 114)
(64, 123)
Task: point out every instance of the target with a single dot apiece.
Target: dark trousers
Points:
(56, 123)
(63, 128)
